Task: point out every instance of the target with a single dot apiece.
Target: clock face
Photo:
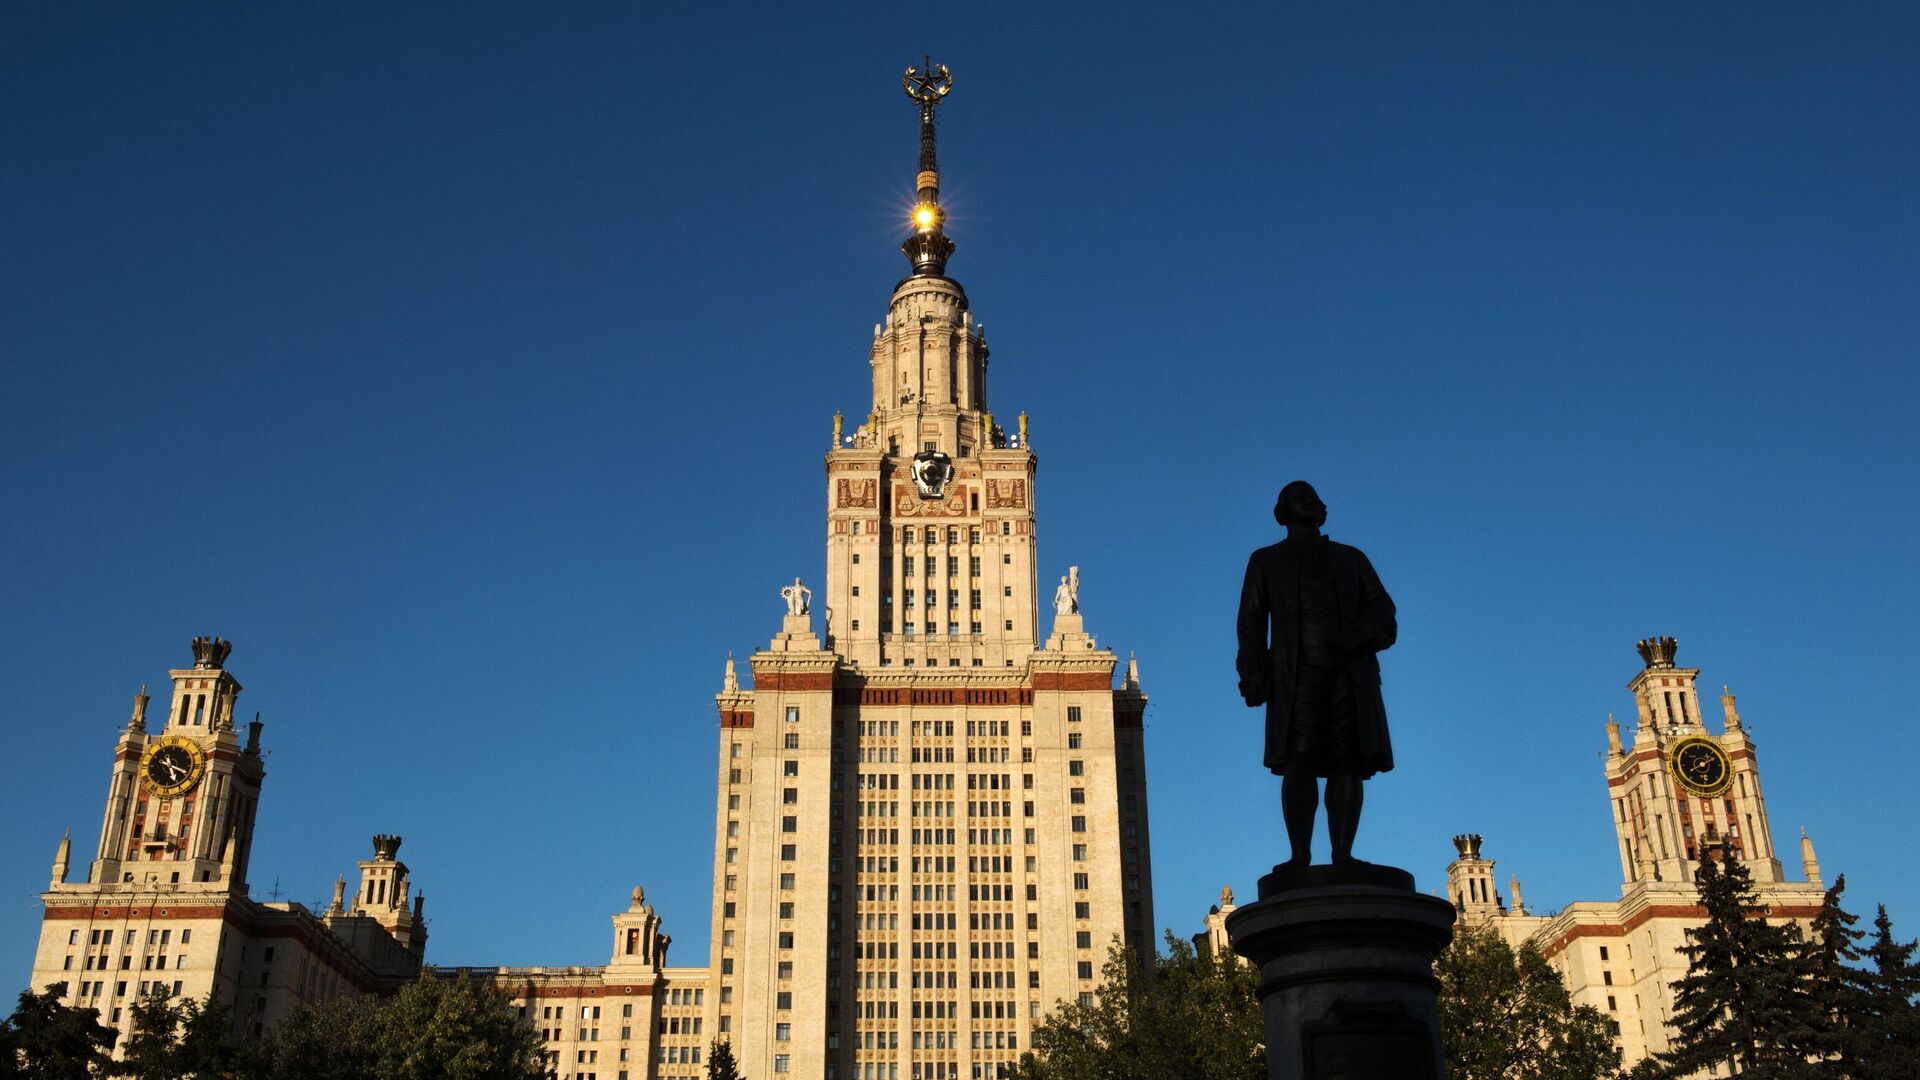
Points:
(1700, 766)
(171, 766)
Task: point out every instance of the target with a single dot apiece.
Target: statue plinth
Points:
(1346, 972)
(796, 635)
(1069, 633)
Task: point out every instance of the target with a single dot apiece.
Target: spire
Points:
(1513, 887)
(339, 896)
(731, 680)
(927, 249)
(64, 854)
(1809, 862)
(1614, 749)
(1133, 671)
(1727, 706)
(139, 719)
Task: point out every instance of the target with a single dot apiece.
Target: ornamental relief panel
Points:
(906, 504)
(1006, 494)
(857, 493)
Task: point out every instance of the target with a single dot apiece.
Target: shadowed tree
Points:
(46, 1040)
(1743, 1003)
(1505, 1014)
(1187, 1016)
(179, 1039)
(434, 1029)
(720, 1064)
(1886, 1042)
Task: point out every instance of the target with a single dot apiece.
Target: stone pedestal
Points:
(1346, 972)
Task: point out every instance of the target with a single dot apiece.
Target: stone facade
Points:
(1622, 956)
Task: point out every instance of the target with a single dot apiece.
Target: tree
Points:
(1507, 1015)
(1886, 1041)
(1835, 987)
(179, 1040)
(720, 1064)
(434, 1029)
(1743, 1002)
(46, 1040)
(1183, 1016)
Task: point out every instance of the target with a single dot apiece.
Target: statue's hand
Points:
(1255, 694)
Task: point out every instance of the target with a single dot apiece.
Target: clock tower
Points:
(1680, 787)
(181, 802)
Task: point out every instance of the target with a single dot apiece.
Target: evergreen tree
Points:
(1834, 985)
(1885, 1042)
(1505, 1014)
(720, 1064)
(1742, 1003)
(47, 1040)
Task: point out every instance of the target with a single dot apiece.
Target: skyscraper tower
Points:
(931, 822)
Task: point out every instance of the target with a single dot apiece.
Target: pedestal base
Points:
(1346, 975)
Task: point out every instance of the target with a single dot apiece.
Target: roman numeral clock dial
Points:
(171, 767)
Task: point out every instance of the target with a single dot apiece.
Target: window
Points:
(789, 824)
(783, 1032)
(786, 853)
(792, 741)
(793, 714)
(1082, 910)
(790, 768)
(1077, 795)
(1079, 823)
(1006, 528)
(790, 796)
(786, 881)
(1086, 969)
(783, 999)
(1080, 881)
(1073, 740)
(1076, 767)
(1073, 714)
(782, 1063)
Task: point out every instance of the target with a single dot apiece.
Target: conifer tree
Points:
(720, 1064)
(1742, 1004)
(46, 1039)
(1885, 1042)
(1834, 985)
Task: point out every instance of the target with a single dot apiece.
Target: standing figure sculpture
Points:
(1313, 616)
(798, 597)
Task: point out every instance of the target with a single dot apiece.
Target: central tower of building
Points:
(931, 822)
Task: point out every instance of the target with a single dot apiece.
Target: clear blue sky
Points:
(471, 369)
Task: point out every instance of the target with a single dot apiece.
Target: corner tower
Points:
(1679, 786)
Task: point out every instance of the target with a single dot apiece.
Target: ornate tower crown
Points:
(1468, 845)
(1658, 652)
(928, 248)
(210, 652)
(385, 847)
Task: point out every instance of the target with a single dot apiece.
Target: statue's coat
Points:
(1364, 625)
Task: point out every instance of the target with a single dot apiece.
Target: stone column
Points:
(1346, 972)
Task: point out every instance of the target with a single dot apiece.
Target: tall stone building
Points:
(930, 821)
(164, 905)
(1677, 789)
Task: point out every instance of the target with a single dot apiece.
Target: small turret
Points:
(1728, 707)
(139, 720)
(64, 855)
(1809, 862)
(1614, 749)
(730, 681)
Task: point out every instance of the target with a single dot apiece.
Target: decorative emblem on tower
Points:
(931, 470)
(210, 652)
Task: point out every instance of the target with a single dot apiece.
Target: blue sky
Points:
(470, 368)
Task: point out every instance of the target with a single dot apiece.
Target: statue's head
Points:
(1299, 504)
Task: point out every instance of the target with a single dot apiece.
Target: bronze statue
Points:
(1312, 617)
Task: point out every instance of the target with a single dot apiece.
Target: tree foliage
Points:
(1182, 1016)
(1884, 1042)
(1743, 1003)
(720, 1063)
(1505, 1014)
(47, 1040)
(434, 1029)
(180, 1039)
